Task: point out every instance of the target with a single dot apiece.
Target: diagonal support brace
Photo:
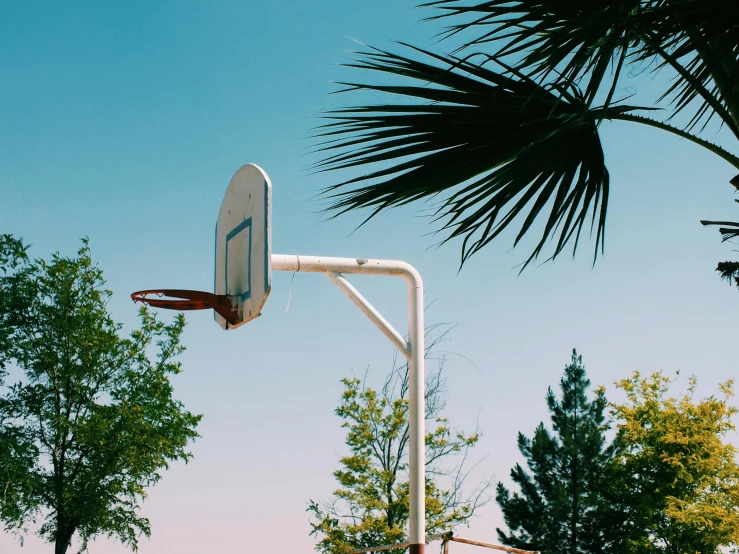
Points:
(369, 310)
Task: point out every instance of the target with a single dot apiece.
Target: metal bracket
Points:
(367, 309)
(412, 349)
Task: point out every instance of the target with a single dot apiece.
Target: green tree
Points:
(507, 129)
(563, 505)
(680, 479)
(371, 506)
(16, 453)
(90, 422)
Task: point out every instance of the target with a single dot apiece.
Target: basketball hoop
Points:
(243, 280)
(183, 300)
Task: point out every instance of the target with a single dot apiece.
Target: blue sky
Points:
(125, 122)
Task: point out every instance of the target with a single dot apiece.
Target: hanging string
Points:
(290, 294)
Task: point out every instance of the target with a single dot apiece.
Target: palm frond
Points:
(488, 145)
(729, 271)
(728, 229)
(699, 39)
(707, 31)
(566, 39)
(578, 40)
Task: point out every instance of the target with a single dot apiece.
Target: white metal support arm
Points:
(361, 302)
(413, 349)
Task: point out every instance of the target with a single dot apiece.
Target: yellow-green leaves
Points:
(678, 472)
(370, 507)
(668, 483)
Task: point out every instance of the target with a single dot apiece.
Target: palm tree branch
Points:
(715, 148)
(696, 86)
(496, 146)
(720, 74)
(565, 39)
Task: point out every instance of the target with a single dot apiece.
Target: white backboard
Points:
(243, 266)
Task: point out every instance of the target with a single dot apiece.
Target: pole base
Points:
(416, 548)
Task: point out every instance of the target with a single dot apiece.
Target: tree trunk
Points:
(574, 489)
(63, 538)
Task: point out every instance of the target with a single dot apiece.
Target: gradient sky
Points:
(125, 122)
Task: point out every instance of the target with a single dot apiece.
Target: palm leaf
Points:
(581, 39)
(489, 146)
(700, 40)
(729, 229)
(565, 38)
(729, 271)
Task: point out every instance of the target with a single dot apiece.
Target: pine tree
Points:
(563, 506)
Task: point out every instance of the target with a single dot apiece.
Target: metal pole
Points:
(417, 419)
(415, 344)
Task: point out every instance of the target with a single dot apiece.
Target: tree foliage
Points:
(679, 477)
(668, 483)
(370, 507)
(507, 128)
(89, 421)
(562, 505)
